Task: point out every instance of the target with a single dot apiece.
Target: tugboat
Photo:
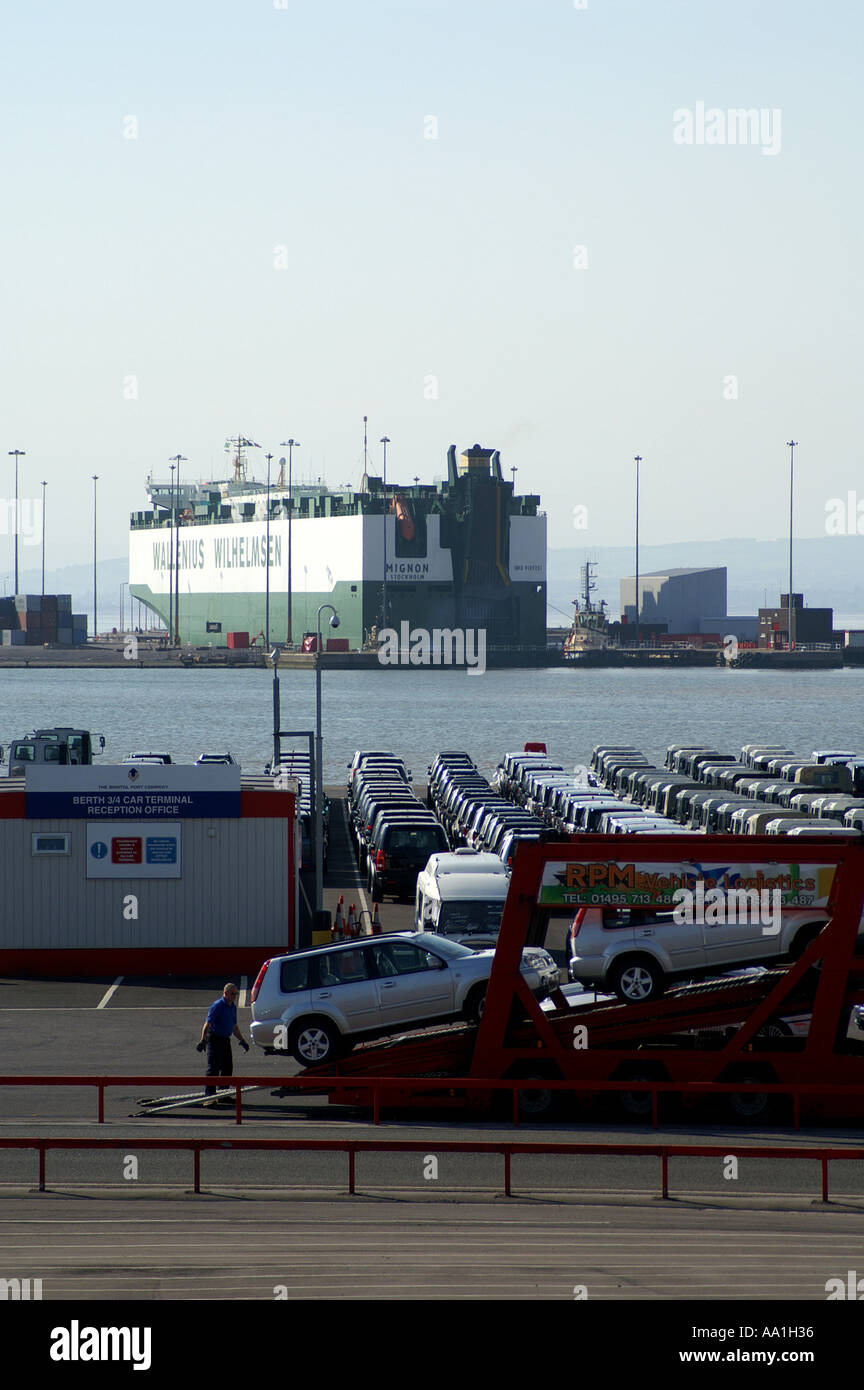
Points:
(590, 630)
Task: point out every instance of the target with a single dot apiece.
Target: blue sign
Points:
(99, 849)
(160, 849)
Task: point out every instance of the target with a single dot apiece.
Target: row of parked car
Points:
(393, 833)
(296, 763)
(474, 814)
(572, 803)
(765, 791)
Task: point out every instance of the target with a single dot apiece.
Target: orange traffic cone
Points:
(376, 921)
(337, 931)
(352, 922)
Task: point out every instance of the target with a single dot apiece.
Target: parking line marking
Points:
(244, 984)
(107, 995)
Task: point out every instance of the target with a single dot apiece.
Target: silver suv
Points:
(635, 952)
(317, 1004)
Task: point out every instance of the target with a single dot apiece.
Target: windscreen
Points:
(470, 918)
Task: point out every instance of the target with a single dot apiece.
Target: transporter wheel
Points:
(538, 1104)
(751, 1105)
(636, 1105)
(637, 979)
(313, 1041)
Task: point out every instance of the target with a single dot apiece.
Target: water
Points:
(418, 713)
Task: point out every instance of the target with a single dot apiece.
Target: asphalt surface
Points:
(124, 1223)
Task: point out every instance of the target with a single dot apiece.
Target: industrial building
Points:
(139, 869)
(678, 598)
(809, 625)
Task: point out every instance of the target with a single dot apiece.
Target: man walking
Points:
(219, 1027)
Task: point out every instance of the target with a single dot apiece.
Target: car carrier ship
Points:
(464, 552)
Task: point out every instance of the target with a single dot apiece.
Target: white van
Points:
(461, 896)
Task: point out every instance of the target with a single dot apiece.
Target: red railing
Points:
(353, 1147)
(456, 1086)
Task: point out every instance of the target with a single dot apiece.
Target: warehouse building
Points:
(680, 598)
(141, 869)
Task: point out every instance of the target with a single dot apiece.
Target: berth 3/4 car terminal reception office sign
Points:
(133, 790)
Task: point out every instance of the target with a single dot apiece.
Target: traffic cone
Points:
(337, 931)
(376, 921)
(352, 921)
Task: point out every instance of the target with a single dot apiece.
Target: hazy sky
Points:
(281, 249)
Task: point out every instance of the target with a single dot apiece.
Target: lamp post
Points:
(44, 485)
(16, 454)
(291, 445)
(95, 610)
(791, 633)
(124, 584)
(319, 775)
(170, 623)
(385, 441)
(178, 459)
(637, 461)
(269, 458)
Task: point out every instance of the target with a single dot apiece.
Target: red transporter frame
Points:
(656, 1039)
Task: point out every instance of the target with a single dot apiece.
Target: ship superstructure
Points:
(463, 552)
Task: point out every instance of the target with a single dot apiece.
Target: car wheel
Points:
(474, 1004)
(636, 981)
(314, 1041)
(802, 940)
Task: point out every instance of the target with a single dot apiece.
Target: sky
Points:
(469, 220)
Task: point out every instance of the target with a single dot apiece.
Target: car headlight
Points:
(538, 960)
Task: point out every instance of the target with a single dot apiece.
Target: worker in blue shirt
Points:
(220, 1026)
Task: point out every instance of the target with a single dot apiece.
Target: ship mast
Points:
(240, 444)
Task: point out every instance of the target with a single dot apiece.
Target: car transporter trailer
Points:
(720, 1038)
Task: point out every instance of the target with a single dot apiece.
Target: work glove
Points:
(245, 1046)
(201, 1047)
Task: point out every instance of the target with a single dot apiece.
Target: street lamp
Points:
(124, 585)
(267, 562)
(178, 459)
(319, 776)
(790, 636)
(385, 441)
(16, 454)
(44, 485)
(95, 610)
(291, 445)
(170, 623)
(637, 461)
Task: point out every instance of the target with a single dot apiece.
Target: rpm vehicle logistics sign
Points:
(134, 790)
(626, 883)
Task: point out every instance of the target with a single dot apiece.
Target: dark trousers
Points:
(219, 1060)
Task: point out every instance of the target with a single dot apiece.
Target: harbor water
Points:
(417, 713)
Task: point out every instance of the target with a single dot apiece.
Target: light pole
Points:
(637, 460)
(44, 485)
(16, 454)
(95, 608)
(178, 459)
(319, 775)
(170, 623)
(124, 585)
(267, 563)
(385, 441)
(291, 445)
(791, 633)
